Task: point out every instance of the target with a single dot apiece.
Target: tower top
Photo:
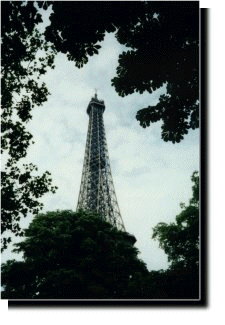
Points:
(95, 102)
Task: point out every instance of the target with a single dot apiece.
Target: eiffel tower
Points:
(97, 191)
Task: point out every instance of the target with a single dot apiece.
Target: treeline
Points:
(76, 255)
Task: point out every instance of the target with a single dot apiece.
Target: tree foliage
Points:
(25, 58)
(180, 239)
(77, 255)
(77, 28)
(179, 283)
(72, 255)
(163, 48)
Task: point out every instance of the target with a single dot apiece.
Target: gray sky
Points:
(151, 177)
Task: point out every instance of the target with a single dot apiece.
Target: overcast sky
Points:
(151, 177)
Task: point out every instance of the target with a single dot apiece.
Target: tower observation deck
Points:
(97, 193)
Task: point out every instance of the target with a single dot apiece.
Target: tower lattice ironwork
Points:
(97, 191)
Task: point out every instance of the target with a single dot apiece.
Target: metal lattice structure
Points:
(97, 191)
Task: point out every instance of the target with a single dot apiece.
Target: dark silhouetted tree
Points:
(180, 241)
(72, 255)
(163, 48)
(25, 58)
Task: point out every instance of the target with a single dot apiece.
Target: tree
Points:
(171, 284)
(25, 58)
(72, 255)
(163, 48)
(77, 28)
(180, 241)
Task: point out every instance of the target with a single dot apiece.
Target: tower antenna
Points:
(96, 90)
